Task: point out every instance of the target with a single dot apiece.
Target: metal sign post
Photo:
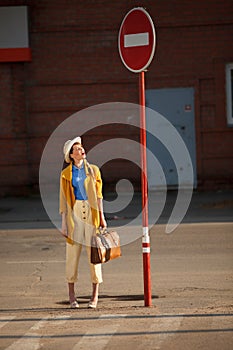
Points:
(136, 42)
(144, 185)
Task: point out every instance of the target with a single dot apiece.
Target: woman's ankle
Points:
(95, 292)
(72, 298)
(71, 292)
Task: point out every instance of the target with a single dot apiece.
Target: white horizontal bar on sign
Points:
(139, 39)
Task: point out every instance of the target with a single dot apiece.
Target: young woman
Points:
(81, 208)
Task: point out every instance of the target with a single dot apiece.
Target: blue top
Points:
(78, 177)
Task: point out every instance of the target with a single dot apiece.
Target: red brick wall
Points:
(75, 64)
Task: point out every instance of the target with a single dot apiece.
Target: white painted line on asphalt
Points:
(161, 325)
(36, 262)
(103, 336)
(5, 320)
(27, 342)
(112, 316)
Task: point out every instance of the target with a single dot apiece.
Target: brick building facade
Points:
(75, 64)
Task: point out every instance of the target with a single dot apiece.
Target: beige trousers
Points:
(83, 231)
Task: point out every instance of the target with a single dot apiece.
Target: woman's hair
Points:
(65, 164)
(71, 151)
(90, 170)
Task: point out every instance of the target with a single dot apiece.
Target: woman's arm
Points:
(103, 222)
(64, 230)
(98, 181)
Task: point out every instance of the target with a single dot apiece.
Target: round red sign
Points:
(137, 40)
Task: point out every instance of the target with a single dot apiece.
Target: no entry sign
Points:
(137, 40)
(136, 43)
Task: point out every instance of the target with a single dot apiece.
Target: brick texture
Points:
(75, 64)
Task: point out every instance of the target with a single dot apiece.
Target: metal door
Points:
(176, 105)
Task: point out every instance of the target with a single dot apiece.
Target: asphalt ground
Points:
(191, 282)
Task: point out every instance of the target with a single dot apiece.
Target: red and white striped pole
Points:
(144, 185)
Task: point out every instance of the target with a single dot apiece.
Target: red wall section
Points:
(75, 64)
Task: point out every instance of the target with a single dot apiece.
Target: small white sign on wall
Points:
(229, 93)
(14, 37)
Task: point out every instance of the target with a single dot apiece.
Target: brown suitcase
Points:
(105, 246)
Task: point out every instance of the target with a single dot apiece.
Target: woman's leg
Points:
(73, 253)
(95, 269)
(95, 293)
(71, 292)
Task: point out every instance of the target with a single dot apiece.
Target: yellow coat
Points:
(93, 187)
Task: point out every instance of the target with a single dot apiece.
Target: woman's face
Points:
(78, 152)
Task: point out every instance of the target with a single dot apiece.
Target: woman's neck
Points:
(78, 163)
